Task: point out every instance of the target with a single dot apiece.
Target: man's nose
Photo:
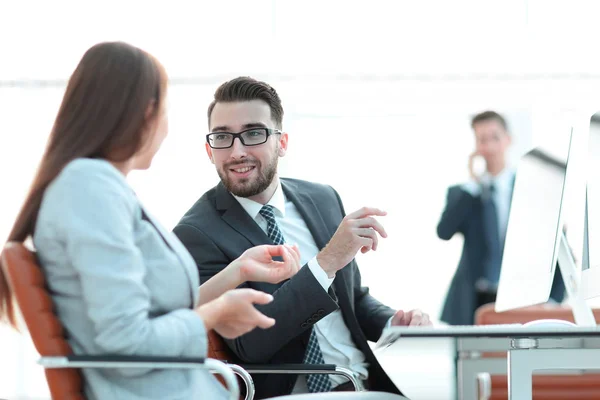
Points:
(486, 147)
(238, 150)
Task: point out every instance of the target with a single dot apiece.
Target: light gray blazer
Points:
(121, 284)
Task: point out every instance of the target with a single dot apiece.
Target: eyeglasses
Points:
(249, 137)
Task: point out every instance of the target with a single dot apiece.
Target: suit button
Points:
(304, 325)
(321, 312)
(315, 317)
(310, 321)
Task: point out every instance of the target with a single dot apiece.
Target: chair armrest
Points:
(157, 362)
(305, 369)
(100, 361)
(247, 378)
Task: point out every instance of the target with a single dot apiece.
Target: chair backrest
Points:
(26, 280)
(486, 314)
(218, 350)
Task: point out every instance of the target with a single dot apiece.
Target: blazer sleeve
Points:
(293, 308)
(459, 205)
(99, 240)
(372, 315)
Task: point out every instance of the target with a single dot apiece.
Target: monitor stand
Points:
(582, 312)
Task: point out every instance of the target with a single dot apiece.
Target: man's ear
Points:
(283, 144)
(209, 152)
(508, 139)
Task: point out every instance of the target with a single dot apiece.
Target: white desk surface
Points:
(390, 334)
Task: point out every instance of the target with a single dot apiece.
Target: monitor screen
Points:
(535, 226)
(590, 259)
(591, 254)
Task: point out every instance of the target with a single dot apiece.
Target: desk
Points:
(529, 349)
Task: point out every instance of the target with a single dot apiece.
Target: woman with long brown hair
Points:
(121, 283)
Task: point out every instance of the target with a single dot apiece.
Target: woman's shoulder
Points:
(83, 175)
(90, 184)
(91, 171)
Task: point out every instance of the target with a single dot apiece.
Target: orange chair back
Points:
(28, 285)
(486, 315)
(218, 350)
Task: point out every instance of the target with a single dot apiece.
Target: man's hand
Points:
(411, 318)
(472, 173)
(233, 313)
(358, 231)
(256, 264)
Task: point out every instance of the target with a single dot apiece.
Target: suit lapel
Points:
(310, 213)
(321, 233)
(236, 217)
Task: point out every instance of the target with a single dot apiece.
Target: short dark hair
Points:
(245, 88)
(489, 116)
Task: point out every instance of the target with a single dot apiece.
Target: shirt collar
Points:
(502, 181)
(253, 208)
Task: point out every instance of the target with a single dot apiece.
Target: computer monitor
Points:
(535, 238)
(534, 227)
(590, 265)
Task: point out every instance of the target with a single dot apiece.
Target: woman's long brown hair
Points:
(115, 92)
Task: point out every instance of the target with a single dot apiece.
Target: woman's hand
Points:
(233, 313)
(257, 265)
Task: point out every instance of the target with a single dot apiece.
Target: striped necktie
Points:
(315, 382)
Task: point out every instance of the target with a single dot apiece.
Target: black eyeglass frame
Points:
(268, 131)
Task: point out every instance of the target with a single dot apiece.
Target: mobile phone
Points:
(479, 166)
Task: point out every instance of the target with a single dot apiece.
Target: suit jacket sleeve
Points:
(459, 204)
(99, 240)
(371, 314)
(295, 302)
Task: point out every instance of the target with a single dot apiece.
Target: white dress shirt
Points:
(503, 184)
(332, 333)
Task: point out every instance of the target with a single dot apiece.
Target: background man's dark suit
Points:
(217, 230)
(463, 214)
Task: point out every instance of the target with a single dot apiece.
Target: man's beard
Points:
(247, 187)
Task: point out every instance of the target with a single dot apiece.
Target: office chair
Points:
(62, 367)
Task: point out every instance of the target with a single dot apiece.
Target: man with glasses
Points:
(322, 313)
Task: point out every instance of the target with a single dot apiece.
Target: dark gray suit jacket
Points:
(217, 230)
